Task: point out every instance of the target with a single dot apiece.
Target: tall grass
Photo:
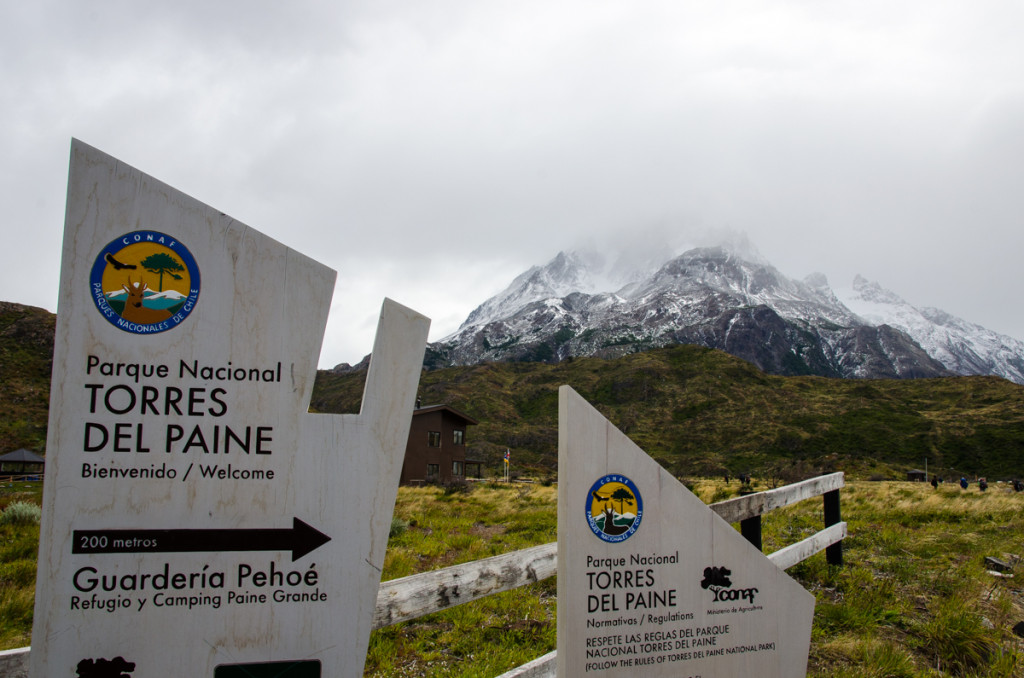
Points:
(19, 542)
(956, 638)
(915, 579)
(913, 599)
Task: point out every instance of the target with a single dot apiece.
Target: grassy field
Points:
(913, 598)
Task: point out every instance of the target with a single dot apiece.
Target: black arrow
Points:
(300, 539)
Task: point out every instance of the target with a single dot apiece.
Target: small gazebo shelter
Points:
(21, 463)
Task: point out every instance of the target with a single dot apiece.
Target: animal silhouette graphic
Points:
(610, 528)
(117, 264)
(134, 311)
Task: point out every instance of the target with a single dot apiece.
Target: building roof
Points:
(426, 409)
(23, 455)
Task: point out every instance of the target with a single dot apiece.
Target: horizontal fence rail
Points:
(417, 595)
(752, 505)
(410, 597)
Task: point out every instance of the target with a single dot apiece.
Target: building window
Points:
(457, 468)
(460, 437)
(432, 471)
(434, 439)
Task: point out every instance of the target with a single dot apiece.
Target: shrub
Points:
(458, 486)
(398, 526)
(957, 638)
(721, 494)
(21, 513)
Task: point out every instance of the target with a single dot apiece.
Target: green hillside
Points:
(704, 413)
(26, 356)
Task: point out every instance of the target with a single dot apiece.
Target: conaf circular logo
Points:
(614, 508)
(145, 282)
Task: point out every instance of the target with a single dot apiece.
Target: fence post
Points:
(750, 528)
(833, 553)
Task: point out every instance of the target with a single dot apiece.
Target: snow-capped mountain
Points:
(173, 295)
(577, 305)
(963, 347)
(159, 300)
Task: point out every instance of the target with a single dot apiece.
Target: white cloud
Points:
(432, 152)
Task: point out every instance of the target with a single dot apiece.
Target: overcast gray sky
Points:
(430, 151)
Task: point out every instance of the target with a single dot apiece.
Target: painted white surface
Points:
(636, 616)
(260, 306)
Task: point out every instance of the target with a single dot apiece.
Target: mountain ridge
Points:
(714, 297)
(702, 412)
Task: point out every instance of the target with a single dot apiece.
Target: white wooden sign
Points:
(197, 519)
(651, 582)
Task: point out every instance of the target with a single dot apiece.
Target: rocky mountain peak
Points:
(873, 292)
(960, 346)
(582, 303)
(818, 282)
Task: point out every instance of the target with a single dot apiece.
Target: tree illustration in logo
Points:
(160, 264)
(716, 576)
(622, 495)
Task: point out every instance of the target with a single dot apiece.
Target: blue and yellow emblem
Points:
(145, 282)
(614, 508)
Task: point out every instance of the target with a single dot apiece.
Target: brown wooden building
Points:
(436, 451)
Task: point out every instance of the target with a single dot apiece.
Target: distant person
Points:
(963, 483)
(935, 483)
(1018, 486)
(982, 484)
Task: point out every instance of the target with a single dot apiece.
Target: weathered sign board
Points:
(197, 519)
(651, 582)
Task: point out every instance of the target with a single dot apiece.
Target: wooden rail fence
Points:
(417, 595)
